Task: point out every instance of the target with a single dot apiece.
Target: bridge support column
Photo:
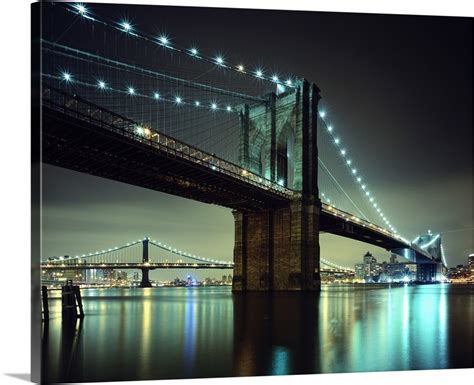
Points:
(145, 278)
(145, 271)
(277, 249)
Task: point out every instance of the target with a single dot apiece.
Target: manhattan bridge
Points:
(149, 111)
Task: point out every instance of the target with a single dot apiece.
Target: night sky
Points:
(401, 86)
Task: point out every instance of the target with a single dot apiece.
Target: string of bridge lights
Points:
(77, 54)
(97, 253)
(187, 255)
(355, 172)
(153, 242)
(164, 41)
(334, 265)
(328, 200)
(102, 86)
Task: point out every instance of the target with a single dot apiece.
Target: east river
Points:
(157, 333)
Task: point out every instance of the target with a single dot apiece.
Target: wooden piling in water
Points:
(44, 299)
(71, 301)
(77, 293)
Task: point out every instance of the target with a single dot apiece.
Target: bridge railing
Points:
(77, 107)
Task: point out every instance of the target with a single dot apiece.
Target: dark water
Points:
(130, 334)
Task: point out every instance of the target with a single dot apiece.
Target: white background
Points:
(15, 185)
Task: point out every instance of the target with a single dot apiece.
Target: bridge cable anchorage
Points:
(164, 41)
(353, 170)
(74, 53)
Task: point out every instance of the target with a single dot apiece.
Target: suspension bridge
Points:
(148, 254)
(143, 110)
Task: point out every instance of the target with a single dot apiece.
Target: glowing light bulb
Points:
(229, 108)
(336, 140)
(127, 27)
(219, 60)
(354, 171)
(343, 152)
(131, 91)
(289, 82)
(322, 114)
(101, 84)
(194, 51)
(329, 128)
(275, 78)
(81, 9)
(66, 77)
(240, 68)
(197, 103)
(178, 99)
(156, 95)
(214, 106)
(163, 39)
(259, 73)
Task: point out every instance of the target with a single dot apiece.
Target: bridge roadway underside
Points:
(81, 146)
(332, 224)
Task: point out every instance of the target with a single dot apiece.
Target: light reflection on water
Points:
(206, 332)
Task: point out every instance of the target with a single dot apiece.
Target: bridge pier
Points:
(145, 278)
(277, 249)
(145, 259)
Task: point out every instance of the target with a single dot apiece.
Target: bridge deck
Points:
(337, 222)
(124, 266)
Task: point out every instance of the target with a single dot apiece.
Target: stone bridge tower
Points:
(278, 249)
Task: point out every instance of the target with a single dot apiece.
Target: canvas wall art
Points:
(224, 192)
